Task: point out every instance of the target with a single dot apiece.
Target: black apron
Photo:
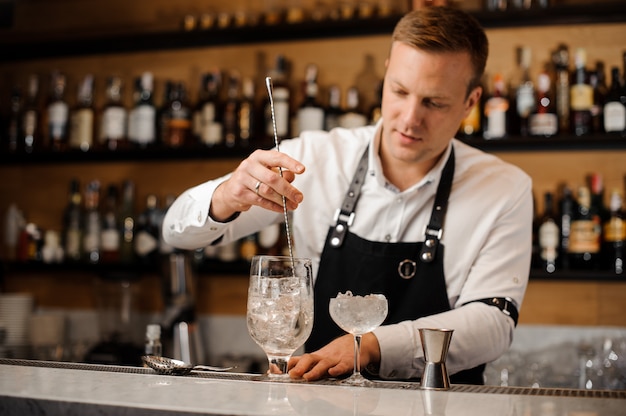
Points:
(410, 275)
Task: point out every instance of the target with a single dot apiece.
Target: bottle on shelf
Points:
(597, 80)
(247, 115)
(231, 109)
(333, 111)
(147, 233)
(110, 234)
(496, 111)
(375, 112)
(114, 117)
(57, 114)
(584, 242)
(14, 130)
(567, 204)
(548, 236)
(153, 345)
(177, 122)
(92, 228)
(524, 93)
(207, 121)
(353, 115)
(560, 59)
(614, 109)
(543, 121)
(127, 223)
(142, 117)
(73, 223)
(282, 101)
(82, 117)
(310, 114)
(613, 250)
(581, 96)
(31, 126)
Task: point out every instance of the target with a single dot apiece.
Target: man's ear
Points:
(472, 99)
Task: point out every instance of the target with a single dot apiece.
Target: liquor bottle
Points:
(613, 246)
(376, 110)
(597, 208)
(57, 113)
(524, 94)
(142, 117)
(247, 116)
(584, 243)
(560, 59)
(114, 117)
(127, 223)
(92, 227)
(597, 80)
(147, 232)
(614, 109)
(207, 121)
(353, 115)
(162, 113)
(177, 127)
(110, 236)
(333, 111)
(282, 105)
(310, 115)
(31, 129)
(231, 110)
(14, 126)
(496, 111)
(82, 117)
(73, 224)
(566, 214)
(543, 121)
(581, 96)
(548, 236)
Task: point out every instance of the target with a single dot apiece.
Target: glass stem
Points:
(278, 366)
(357, 354)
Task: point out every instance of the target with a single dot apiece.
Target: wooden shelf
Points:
(69, 45)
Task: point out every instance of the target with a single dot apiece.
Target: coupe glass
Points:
(280, 308)
(358, 315)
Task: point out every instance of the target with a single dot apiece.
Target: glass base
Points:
(357, 379)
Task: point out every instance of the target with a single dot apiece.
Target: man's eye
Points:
(433, 104)
(400, 92)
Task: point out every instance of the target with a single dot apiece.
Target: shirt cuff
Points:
(398, 357)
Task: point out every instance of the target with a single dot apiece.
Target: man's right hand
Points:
(257, 181)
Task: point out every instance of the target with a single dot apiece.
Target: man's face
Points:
(424, 101)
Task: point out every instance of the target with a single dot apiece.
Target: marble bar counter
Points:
(48, 388)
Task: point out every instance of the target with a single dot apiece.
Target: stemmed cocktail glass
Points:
(280, 308)
(358, 315)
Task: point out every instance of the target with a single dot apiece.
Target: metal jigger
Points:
(435, 343)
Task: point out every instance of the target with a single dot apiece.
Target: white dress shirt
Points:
(486, 235)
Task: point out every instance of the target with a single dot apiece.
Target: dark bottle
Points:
(496, 111)
(375, 112)
(110, 235)
(613, 255)
(598, 209)
(73, 224)
(231, 110)
(57, 114)
(207, 120)
(82, 117)
(177, 125)
(524, 94)
(31, 129)
(142, 117)
(114, 118)
(614, 109)
(14, 130)
(548, 236)
(567, 205)
(333, 111)
(147, 233)
(247, 115)
(584, 243)
(543, 121)
(597, 79)
(310, 114)
(127, 223)
(560, 59)
(353, 115)
(92, 228)
(282, 102)
(581, 97)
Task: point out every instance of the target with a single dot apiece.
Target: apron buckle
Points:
(407, 268)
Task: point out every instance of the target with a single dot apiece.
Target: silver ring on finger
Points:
(256, 187)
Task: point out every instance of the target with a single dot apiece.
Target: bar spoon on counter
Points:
(172, 367)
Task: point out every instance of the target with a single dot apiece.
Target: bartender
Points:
(400, 208)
